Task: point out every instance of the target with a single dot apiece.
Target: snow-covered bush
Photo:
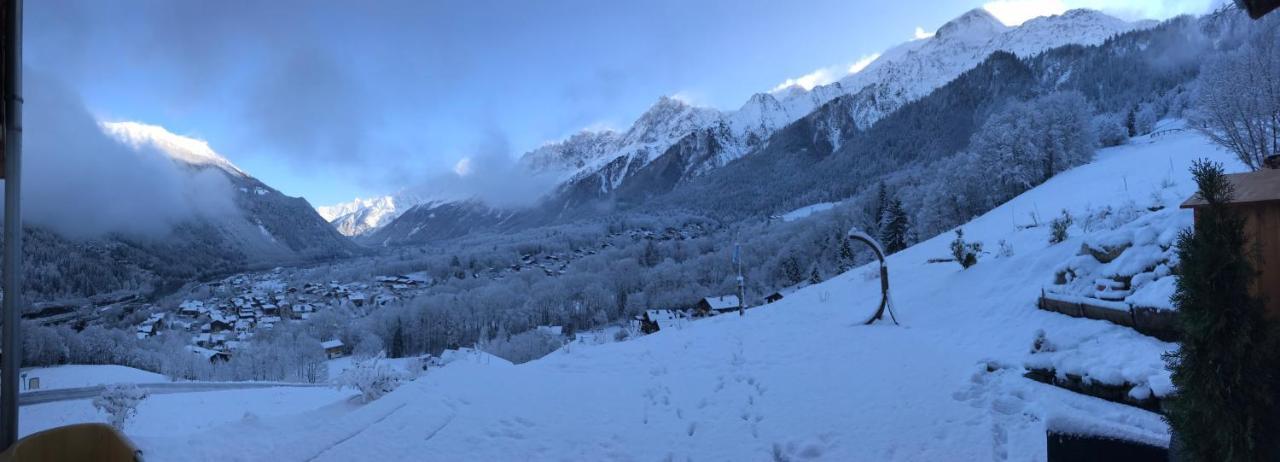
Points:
(373, 378)
(1110, 130)
(120, 403)
(525, 346)
(965, 253)
(1059, 226)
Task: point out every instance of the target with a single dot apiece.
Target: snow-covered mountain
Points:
(269, 225)
(902, 74)
(362, 215)
(692, 141)
(180, 148)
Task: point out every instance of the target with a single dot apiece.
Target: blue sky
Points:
(330, 99)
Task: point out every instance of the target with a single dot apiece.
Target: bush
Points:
(525, 346)
(966, 253)
(373, 379)
(120, 403)
(1058, 227)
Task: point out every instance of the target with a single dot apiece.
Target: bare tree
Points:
(1240, 100)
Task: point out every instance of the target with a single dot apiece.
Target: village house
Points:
(655, 320)
(773, 297)
(333, 348)
(711, 306)
(210, 355)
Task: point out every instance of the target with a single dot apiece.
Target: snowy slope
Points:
(800, 379)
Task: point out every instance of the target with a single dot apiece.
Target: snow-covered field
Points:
(800, 379)
(75, 376)
(174, 415)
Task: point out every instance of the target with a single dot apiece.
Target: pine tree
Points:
(895, 227)
(846, 253)
(397, 342)
(1225, 368)
(1130, 123)
(814, 277)
(875, 216)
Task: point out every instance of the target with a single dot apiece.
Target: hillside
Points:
(800, 379)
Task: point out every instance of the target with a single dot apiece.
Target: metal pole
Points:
(11, 359)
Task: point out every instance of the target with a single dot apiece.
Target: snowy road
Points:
(67, 394)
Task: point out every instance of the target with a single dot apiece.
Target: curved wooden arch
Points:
(885, 303)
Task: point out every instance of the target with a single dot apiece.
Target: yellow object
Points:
(74, 443)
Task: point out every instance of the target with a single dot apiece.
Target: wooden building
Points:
(711, 306)
(1257, 200)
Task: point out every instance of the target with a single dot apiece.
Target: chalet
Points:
(358, 298)
(210, 355)
(151, 326)
(1257, 200)
(192, 308)
(334, 348)
(219, 323)
(655, 320)
(270, 309)
(716, 305)
(773, 297)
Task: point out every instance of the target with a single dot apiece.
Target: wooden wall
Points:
(1262, 229)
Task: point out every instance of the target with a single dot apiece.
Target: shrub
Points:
(1058, 227)
(120, 403)
(373, 379)
(965, 253)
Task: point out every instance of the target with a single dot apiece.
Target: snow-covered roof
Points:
(722, 302)
(335, 343)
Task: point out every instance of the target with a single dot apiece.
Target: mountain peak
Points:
(978, 23)
(177, 147)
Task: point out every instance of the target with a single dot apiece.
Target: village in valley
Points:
(223, 316)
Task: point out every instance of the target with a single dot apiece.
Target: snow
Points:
(179, 414)
(799, 379)
(177, 147)
(76, 376)
(806, 211)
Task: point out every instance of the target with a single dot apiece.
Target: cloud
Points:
(81, 183)
(920, 34)
(808, 81)
(863, 62)
(489, 173)
(307, 105)
(826, 75)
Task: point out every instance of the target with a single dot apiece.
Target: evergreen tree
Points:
(1131, 123)
(397, 342)
(814, 277)
(1225, 368)
(875, 216)
(895, 227)
(845, 258)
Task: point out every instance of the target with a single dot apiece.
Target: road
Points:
(66, 394)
